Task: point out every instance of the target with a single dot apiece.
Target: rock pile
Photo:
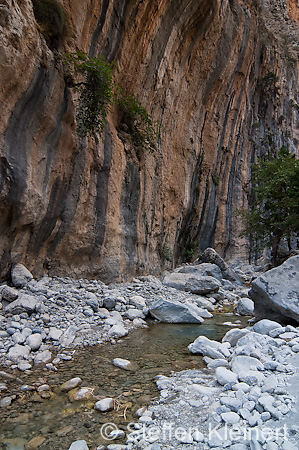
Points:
(241, 401)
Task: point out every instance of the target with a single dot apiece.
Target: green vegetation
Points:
(95, 91)
(191, 251)
(274, 212)
(97, 94)
(143, 130)
(51, 18)
(166, 253)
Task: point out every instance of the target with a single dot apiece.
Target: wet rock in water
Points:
(35, 443)
(210, 348)
(79, 445)
(175, 312)
(43, 357)
(20, 276)
(24, 303)
(107, 404)
(71, 384)
(122, 363)
(82, 394)
(5, 401)
(275, 293)
(245, 307)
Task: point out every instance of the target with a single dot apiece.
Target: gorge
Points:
(220, 76)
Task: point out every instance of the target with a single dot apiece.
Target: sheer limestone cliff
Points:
(221, 76)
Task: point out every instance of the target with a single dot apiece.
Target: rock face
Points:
(204, 69)
(276, 292)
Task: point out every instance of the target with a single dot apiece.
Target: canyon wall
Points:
(222, 78)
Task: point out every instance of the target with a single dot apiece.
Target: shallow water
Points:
(160, 349)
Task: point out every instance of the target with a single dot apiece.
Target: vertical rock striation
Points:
(221, 76)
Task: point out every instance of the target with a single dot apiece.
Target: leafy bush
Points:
(143, 130)
(95, 91)
(51, 18)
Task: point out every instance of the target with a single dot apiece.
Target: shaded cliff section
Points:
(221, 76)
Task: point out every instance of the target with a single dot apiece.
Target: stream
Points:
(159, 349)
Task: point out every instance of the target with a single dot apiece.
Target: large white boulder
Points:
(207, 347)
(208, 278)
(171, 311)
(276, 292)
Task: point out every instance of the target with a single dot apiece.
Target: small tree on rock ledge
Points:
(274, 213)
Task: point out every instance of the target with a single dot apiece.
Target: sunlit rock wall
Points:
(106, 209)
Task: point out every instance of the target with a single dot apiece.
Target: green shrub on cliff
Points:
(274, 213)
(95, 88)
(51, 18)
(97, 93)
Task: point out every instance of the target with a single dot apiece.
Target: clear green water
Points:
(160, 349)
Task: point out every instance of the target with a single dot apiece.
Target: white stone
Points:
(71, 384)
(107, 404)
(245, 307)
(24, 303)
(230, 418)
(18, 352)
(241, 363)
(54, 334)
(34, 341)
(232, 336)
(79, 445)
(138, 301)
(265, 326)
(43, 357)
(210, 348)
(117, 331)
(122, 363)
(225, 376)
(198, 436)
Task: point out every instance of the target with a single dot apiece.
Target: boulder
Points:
(9, 294)
(245, 363)
(117, 331)
(205, 269)
(20, 276)
(202, 285)
(225, 376)
(184, 279)
(171, 311)
(245, 307)
(18, 352)
(265, 326)
(232, 336)
(24, 303)
(211, 256)
(275, 293)
(210, 348)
